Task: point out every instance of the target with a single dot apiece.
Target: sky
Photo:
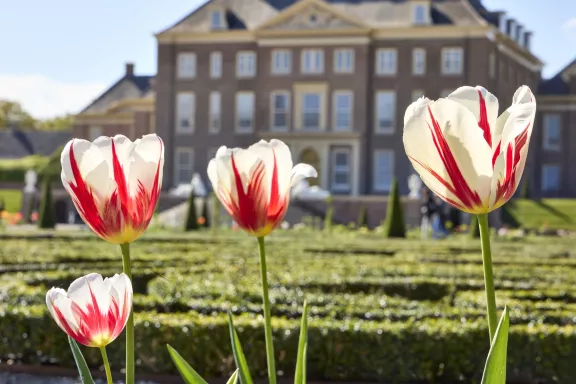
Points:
(58, 55)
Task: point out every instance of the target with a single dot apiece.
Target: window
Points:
(550, 177)
(385, 111)
(418, 61)
(383, 170)
(311, 104)
(419, 14)
(386, 61)
(344, 61)
(340, 170)
(246, 64)
(416, 94)
(552, 132)
(216, 19)
(184, 166)
(312, 61)
(216, 65)
(281, 61)
(186, 65)
(492, 64)
(215, 112)
(186, 108)
(280, 107)
(244, 112)
(452, 61)
(94, 132)
(342, 110)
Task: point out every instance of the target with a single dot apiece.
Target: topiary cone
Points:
(394, 225)
(47, 214)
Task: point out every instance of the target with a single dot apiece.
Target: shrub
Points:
(394, 225)
(47, 213)
(474, 227)
(329, 213)
(205, 212)
(14, 170)
(362, 217)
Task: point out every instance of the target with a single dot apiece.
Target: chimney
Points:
(527, 39)
(520, 34)
(129, 69)
(502, 22)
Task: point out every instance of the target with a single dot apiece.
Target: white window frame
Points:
(273, 111)
(281, 61)
(245, 64)
(377, 128)
(419, 61)
(316, 61)
(448, 61)
(187, 63)
(344, 60)
(547, 120)
(334, 169)
(336, 112)
(94, 135)
(215, 112)
(178, 166)
(382, 187)
(546, 168)
(415, 15)
(216, 65)
(386, 61)
(237, 113)
(304, 110)
(218, 22)
(417, 94)
(192, 117)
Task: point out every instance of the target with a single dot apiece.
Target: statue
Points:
(303, 190)
(198, 185)
(30, 180)
(415, 185)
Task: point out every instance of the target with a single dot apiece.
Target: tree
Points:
(191, 219)
(11, 112)
(47, 214)
(362, 217)
(394, 225)
(60, 123)
(474, 227)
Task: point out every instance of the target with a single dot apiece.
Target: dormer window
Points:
(420, 14)
(217, 19)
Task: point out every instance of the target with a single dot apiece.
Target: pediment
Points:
(569, 72)
(311, 15)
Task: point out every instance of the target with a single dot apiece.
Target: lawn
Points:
(12, 199)
(381, 310)
(544, 214)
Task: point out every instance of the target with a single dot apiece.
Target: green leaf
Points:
(83, 370)
(495, 369)
(300, 375)
(239, 357)
(234, 378)
(188, 373)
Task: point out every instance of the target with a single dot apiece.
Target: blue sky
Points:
(56, 56)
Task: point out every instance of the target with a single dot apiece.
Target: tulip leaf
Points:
(234, 378)
(83, 370)
(239, 357)
(188, 373)
(495, 369)
(300, 375)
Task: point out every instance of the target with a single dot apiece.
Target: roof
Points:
(17, 144)
(557, 85)
(249, 14)
(129, 86)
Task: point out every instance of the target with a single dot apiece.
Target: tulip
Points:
(254, 184)
(464, 152)
(94, 311)
(114, 183)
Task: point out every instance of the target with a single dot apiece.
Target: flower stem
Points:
(267, 322)
(130, 324)
(488, 274)
(106, 365)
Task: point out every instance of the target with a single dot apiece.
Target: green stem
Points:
(488, 274)
(106, 365)
(130, 324)
(267, 322)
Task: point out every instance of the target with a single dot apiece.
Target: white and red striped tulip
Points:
(114, 183)
(254, 184)
(464, 152)
(94, 311)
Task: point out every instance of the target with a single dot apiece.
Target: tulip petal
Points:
(302, 171)
(483, 105)
(147, 165)
(278, 164)
(415, 106)
(452, 159)
(90, 292)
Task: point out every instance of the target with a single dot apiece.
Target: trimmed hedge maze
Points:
(382, 311)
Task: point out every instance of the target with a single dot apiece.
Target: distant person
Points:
(427, 211)
(439, 219)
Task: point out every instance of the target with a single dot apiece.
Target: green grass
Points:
(545, 213)
(12, 198)
(380, 309)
